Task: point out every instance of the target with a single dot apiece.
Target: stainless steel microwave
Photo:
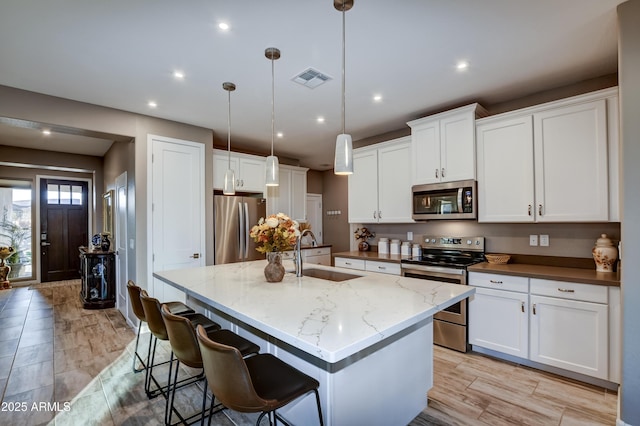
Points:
(449, 200)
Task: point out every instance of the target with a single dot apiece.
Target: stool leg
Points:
(136, 355)
(319, 406)
(171, 391)
(150, 360)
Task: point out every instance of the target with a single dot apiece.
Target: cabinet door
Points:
(363, 187)
(220, 167)
(426, 152)
(252, 174)
(571, 167)
(505, 171)
(279, 197)
(394, 183)
(299, 195)
(457, 147)
(499, 320)
(570, 334)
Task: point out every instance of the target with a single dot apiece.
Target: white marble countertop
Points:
(329, 320)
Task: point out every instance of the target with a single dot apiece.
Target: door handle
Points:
(522, 306)
(195, 256)
(45, 244)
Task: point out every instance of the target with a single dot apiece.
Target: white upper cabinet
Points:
(380, 186)
(550, 163)
(444, 145)
(249, 170)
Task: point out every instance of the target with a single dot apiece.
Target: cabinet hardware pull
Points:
(534, 309)
(374, 215)
(529, 209)
(436, 173)
(382, 267)
(442, 172)
(566, 290)
(195, 256)
(379, 214)
(347, 263)
(522, 306)
(539, 209)
(495, 282)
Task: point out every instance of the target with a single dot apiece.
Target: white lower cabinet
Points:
(499, 319)
(560, 324)
(368, 265)
(317, 256)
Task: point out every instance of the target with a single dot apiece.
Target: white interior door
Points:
(121, 238)
(314, 215)
(177, 210)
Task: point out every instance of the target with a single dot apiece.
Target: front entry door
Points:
(64, 219)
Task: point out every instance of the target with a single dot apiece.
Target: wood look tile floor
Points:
(64, 365)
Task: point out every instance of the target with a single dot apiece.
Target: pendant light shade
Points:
(230, 176)
(273, 167)
(343, 161)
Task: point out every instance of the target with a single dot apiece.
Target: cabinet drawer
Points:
(316, 251)
(567, 290)
(383, 267)
(500, 282)
(344, 262)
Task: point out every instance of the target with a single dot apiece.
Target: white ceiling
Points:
(122, 53)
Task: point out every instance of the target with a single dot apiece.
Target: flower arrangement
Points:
(363, 234)
(278, 232)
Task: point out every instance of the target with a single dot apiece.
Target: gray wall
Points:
(629, 72)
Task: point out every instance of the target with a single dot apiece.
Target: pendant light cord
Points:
(343, 67)
(229, 128)
(273, 102)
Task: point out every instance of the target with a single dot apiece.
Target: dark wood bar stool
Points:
(185, 348)
(152, 307)
(177, 308)
(258, 384)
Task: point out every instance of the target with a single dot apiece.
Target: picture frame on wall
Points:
(107, 212)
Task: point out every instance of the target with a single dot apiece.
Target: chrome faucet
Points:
(297, 257)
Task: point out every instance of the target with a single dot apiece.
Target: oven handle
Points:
(459, 276)
(431, 269)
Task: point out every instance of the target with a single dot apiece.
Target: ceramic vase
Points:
(274, 271)
(363, 246)
(605, 254)
(105, 243)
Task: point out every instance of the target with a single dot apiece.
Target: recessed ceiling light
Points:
(279, 134)
(152, 104)
(178, 75)
(462, 65)
(46, 132)
(223, 26)
(320, 119)
(377, 98)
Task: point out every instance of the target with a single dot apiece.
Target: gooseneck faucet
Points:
(297, 257)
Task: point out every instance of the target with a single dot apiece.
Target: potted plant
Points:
(14, 236)
(362, 235)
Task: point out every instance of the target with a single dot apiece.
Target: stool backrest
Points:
(228, 376)
(152, 313)
(182, 338)
(134, 299)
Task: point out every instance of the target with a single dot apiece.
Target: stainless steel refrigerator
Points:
(234, 216)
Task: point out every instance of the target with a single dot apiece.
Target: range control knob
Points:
(468, 242)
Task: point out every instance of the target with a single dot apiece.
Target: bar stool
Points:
(185, 348)
(261, 383)
(151, 307)
(177, 308)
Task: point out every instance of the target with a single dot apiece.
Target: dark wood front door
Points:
(64, 220)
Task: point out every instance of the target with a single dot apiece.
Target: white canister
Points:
(405, 249)
(394, 247)
(605, 254)
(383, 246)
(416, 250)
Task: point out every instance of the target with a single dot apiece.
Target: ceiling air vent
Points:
(311, 78)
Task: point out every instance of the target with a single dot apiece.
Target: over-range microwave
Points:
(448, 200)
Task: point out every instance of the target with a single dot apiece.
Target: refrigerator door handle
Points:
(246, 230)
(241, 230)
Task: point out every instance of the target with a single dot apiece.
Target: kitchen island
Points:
(367, 339)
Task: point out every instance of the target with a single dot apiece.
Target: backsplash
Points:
(565, 239)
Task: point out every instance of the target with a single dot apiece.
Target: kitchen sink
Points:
(328, 275)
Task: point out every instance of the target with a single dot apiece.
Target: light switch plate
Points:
(544, 241)
(533, 240)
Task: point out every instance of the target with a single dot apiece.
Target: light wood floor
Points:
(53, 351)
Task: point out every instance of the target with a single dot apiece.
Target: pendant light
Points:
(273, 168)
(230, 176)
(343, 161)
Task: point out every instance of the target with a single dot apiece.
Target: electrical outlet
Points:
(544, 241)
(533, 240)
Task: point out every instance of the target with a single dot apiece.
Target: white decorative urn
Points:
(605, 254)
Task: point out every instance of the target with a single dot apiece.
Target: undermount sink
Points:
(328, 275)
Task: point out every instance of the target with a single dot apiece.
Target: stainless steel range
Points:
(446, 259)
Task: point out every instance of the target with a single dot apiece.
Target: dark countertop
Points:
(371, 255)
(558, 273)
